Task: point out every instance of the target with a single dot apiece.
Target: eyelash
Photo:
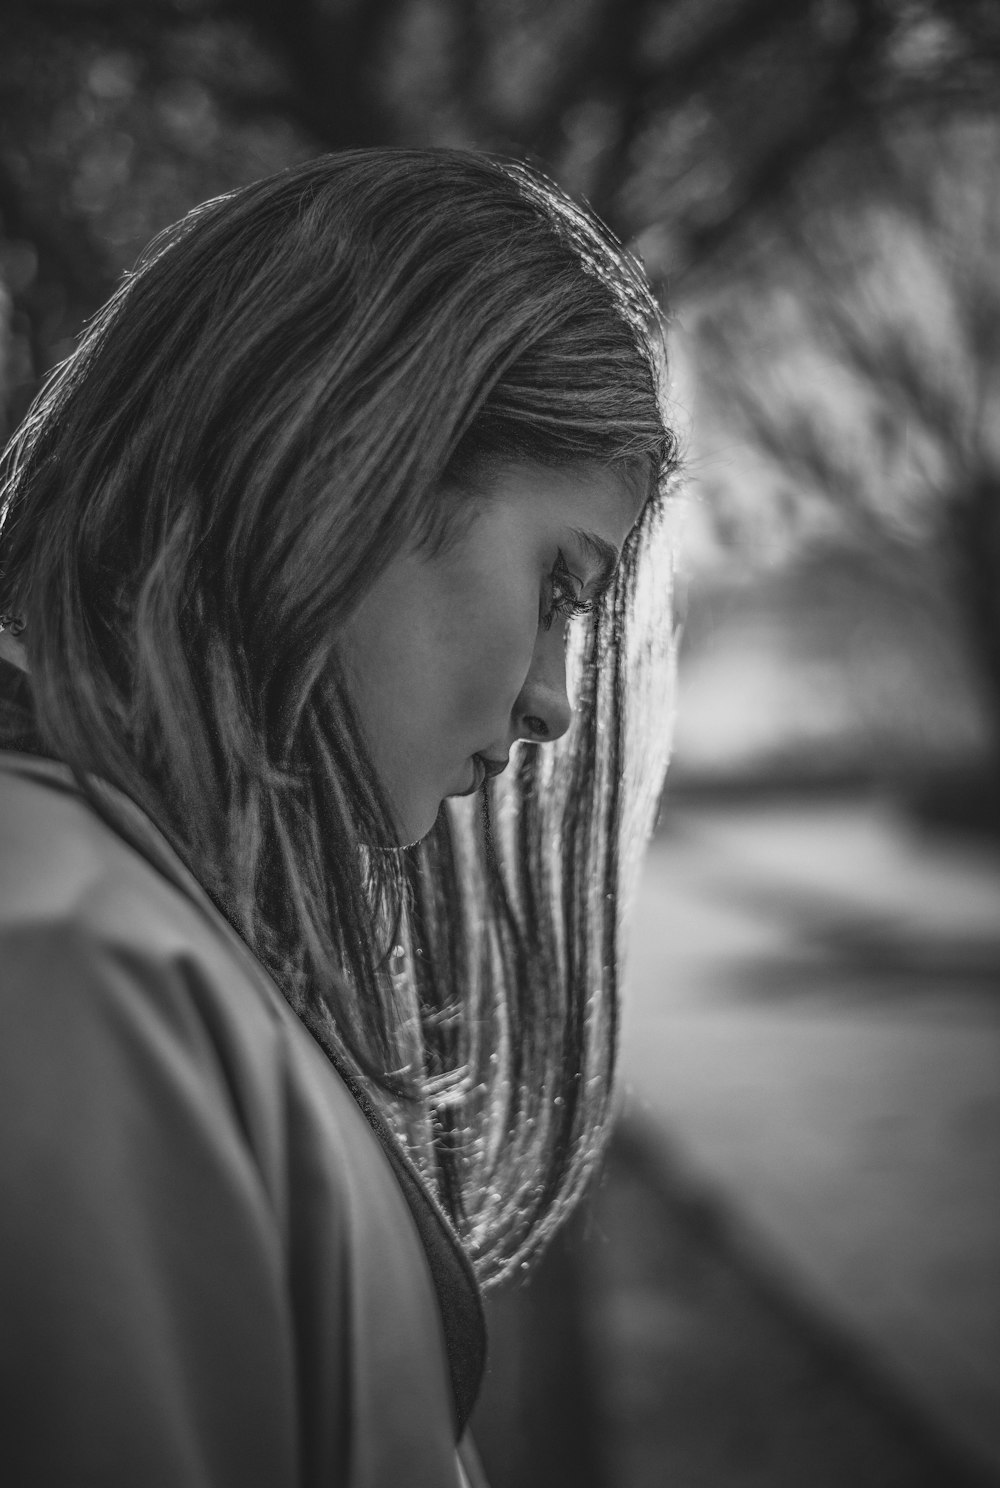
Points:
(564, 601)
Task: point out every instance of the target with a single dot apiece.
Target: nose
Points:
(542, 712)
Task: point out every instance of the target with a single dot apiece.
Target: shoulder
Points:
(117, 990)
(123, 987)
(123, 990)
(64, 868)
(121, 982)
(109, 889)
(98, 946)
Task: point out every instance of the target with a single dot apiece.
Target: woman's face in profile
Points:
(460, 654)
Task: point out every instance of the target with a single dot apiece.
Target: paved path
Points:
(813, 1024)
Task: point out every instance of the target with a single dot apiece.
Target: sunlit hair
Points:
(295, 381)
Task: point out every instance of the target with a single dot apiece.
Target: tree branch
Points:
(331, 61)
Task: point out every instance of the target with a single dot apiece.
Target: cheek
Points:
(436, 659)
(493, 657)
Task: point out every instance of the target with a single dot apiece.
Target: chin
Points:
(416, 826)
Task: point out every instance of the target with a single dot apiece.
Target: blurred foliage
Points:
(858, 358)
(806, 174)
(680, 119)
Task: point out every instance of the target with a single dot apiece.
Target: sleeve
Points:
(144, 1326)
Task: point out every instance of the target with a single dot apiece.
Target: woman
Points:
(298, 1046)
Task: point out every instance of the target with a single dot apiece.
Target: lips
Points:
(478, 776)
(483, 769)
(492, 766)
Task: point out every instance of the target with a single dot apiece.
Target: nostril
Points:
(537, 726)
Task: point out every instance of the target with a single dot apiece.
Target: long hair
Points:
(295, 380)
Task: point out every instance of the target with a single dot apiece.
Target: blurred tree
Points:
(858, 356)
(680, 119)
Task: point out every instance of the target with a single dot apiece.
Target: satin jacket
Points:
(216, 1268)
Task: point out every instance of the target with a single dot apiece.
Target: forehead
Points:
(600, 499)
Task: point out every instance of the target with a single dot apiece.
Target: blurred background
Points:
(790, 1270)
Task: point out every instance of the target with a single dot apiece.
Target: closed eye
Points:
(564, 594)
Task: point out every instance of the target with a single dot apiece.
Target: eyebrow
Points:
(601, 553)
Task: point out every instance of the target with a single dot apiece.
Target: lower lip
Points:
(479, 777)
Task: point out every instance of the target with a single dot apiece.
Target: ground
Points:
(788, 1274)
